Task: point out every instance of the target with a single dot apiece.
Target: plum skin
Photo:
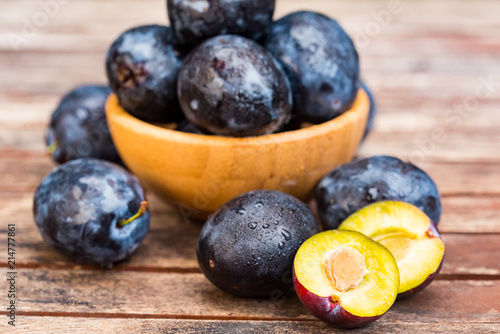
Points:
(78, 127)
(242, 250)
(321, 62)
(354, 185)
(193, 24)
(331, 313)
(230, 85)
(429, 278)
(142, 65)
(188, 127)
(78, 205)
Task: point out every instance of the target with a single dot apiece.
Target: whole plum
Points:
(78, 127)
(92, 211)
(194, 21)
(352, 186)
(142, 66)
(248, 245)
(232, 86)
(321, 62)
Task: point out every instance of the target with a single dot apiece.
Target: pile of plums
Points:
(380, 243)
(225, 68)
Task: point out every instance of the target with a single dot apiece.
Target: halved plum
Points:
(410, 236)
(344, 278)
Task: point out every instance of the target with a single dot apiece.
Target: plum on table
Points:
(352, 186)
(92, 211)
(247, 246)
(345, 278)
(409, 235)
(78, 127)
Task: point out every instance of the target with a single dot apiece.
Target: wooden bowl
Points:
(199, 173)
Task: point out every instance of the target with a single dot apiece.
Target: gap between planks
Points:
(178, 317)
(167, 270)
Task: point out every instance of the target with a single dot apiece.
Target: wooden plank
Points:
(183, 294)
(470, 254)
(63, 26)
(62, 325)
(459, 147)
(470, 214)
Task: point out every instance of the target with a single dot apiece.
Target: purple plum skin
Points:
(142, 66)
(188, 127)
(354, 185)
(327, 311)
(195, 21)
(321, 62)
(77, 208)
(231, 86)
(251, 242)
(78, 127)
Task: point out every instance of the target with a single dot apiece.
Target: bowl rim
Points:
(116, 112)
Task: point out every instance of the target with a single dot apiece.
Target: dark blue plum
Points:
(248, 245)
(188, 127)
(78, 127)
(232, 86)
(373, 110)
(194, 21)
(79, 208)
(142, 67)
(352, 186)
(321, 62)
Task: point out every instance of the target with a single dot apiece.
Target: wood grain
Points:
(60, 325)
(173, 294)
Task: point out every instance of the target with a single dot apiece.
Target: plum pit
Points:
(345, 268)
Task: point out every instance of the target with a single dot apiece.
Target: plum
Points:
(345, 278)
(92, 211)
(142, 66)
(321, 62)
(408, 234)
(78, 127)
(232, 86)
(188, 127)
(354, 185)
(194, 21)
(247, 246)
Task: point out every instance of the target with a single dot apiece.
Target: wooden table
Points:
(427, 62)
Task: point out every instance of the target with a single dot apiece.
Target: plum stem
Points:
(142, 210)
(52, 147)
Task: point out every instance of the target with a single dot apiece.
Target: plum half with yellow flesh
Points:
(410, 236)
(344, 278)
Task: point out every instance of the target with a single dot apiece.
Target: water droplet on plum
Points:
(286, 234)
